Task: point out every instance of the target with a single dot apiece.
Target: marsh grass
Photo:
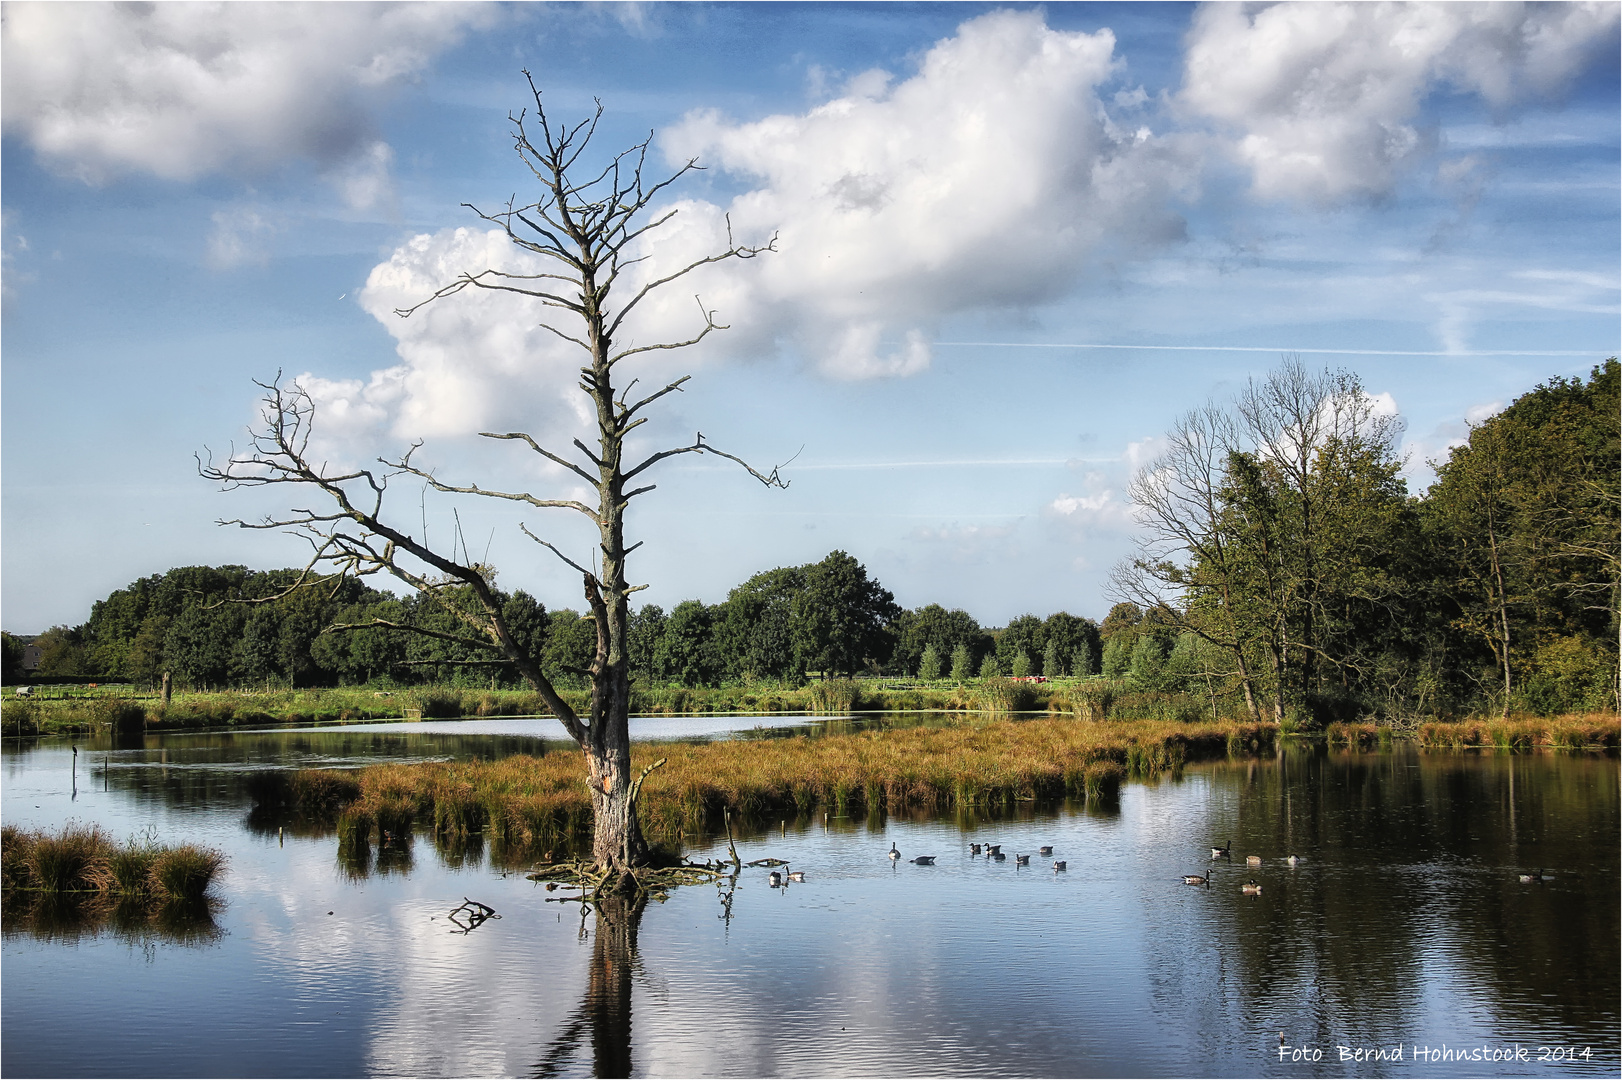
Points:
(84, 859)
(523, 804)
(1585, 731)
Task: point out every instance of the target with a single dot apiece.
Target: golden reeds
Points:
(83, 859)
(1586, 731)
(527, 802)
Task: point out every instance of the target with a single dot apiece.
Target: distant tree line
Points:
(1284, 572)
(1284, 565)
(215, 627)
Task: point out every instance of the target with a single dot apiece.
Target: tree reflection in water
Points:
(605, 1015)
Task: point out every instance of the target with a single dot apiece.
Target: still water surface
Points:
(1404, 926)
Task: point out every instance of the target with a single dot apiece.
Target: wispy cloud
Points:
(1275, 349)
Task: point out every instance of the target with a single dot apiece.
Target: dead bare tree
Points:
(1187, 564)
(587, 234)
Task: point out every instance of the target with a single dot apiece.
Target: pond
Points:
(1403, 930)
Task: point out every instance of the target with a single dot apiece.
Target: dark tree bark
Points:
(587, 232)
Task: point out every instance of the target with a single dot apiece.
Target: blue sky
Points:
(1015, 243)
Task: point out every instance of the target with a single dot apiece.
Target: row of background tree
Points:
(825, 617)
(1282, 549)
(1284, 570)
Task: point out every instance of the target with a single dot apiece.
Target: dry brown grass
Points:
(1579, 731)
(84, 859)
(528, 802)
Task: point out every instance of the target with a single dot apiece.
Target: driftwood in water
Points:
(469, 915)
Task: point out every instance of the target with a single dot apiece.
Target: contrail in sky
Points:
(1275, 349)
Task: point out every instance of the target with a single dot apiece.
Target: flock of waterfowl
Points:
(1225, 851)
(993, 852)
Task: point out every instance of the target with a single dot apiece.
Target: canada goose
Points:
(1045, 850)
(1058, 866)
(974, 849)
(796, 875)
(776, 879)
(993, 851)
(924, 860)
(1533, 878)
(1253, 860)
(1022, 860)
(1294, 860)
(1000, 857)
(1195, 879)
(1251, 888)
(894, 854)
(1222, 852)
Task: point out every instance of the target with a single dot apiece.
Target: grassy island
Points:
(530, 803)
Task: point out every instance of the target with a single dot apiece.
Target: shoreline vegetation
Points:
(528, 807)
(81, 710)
(525, 804)
(79, 880)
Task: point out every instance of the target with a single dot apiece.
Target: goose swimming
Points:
(1253, 860)
(796, 875)
(924, 860)
(1058, 866)
(1222, 852)
(1250, 888)
(1022, 860)
(1195, 879)
(894, 854)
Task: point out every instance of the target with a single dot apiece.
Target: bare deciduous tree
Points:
(1188, 564)
(587, 234)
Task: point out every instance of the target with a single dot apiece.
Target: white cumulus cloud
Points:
(182, 90)
(472, 361)
(1321, 98)
(984, 181)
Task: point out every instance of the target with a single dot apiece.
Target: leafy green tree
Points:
(1524, 520)
(1085, 661)
(1118, 654)
(1122, 618)
(755, 627)
(1147, 665)
(1024, 634)
(571, 645)
(645, 641)
(11, 658)
(934, 625)
(929, 665)
(62, 651)
(199, 644)
(1021, 667)
(690, 653)
(989, 668)
(842, 617)
(1052, 666)
(962, 663)
(1068, 634)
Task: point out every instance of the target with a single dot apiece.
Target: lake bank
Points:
(1096, 699)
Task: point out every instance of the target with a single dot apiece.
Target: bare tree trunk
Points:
(586, 234)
